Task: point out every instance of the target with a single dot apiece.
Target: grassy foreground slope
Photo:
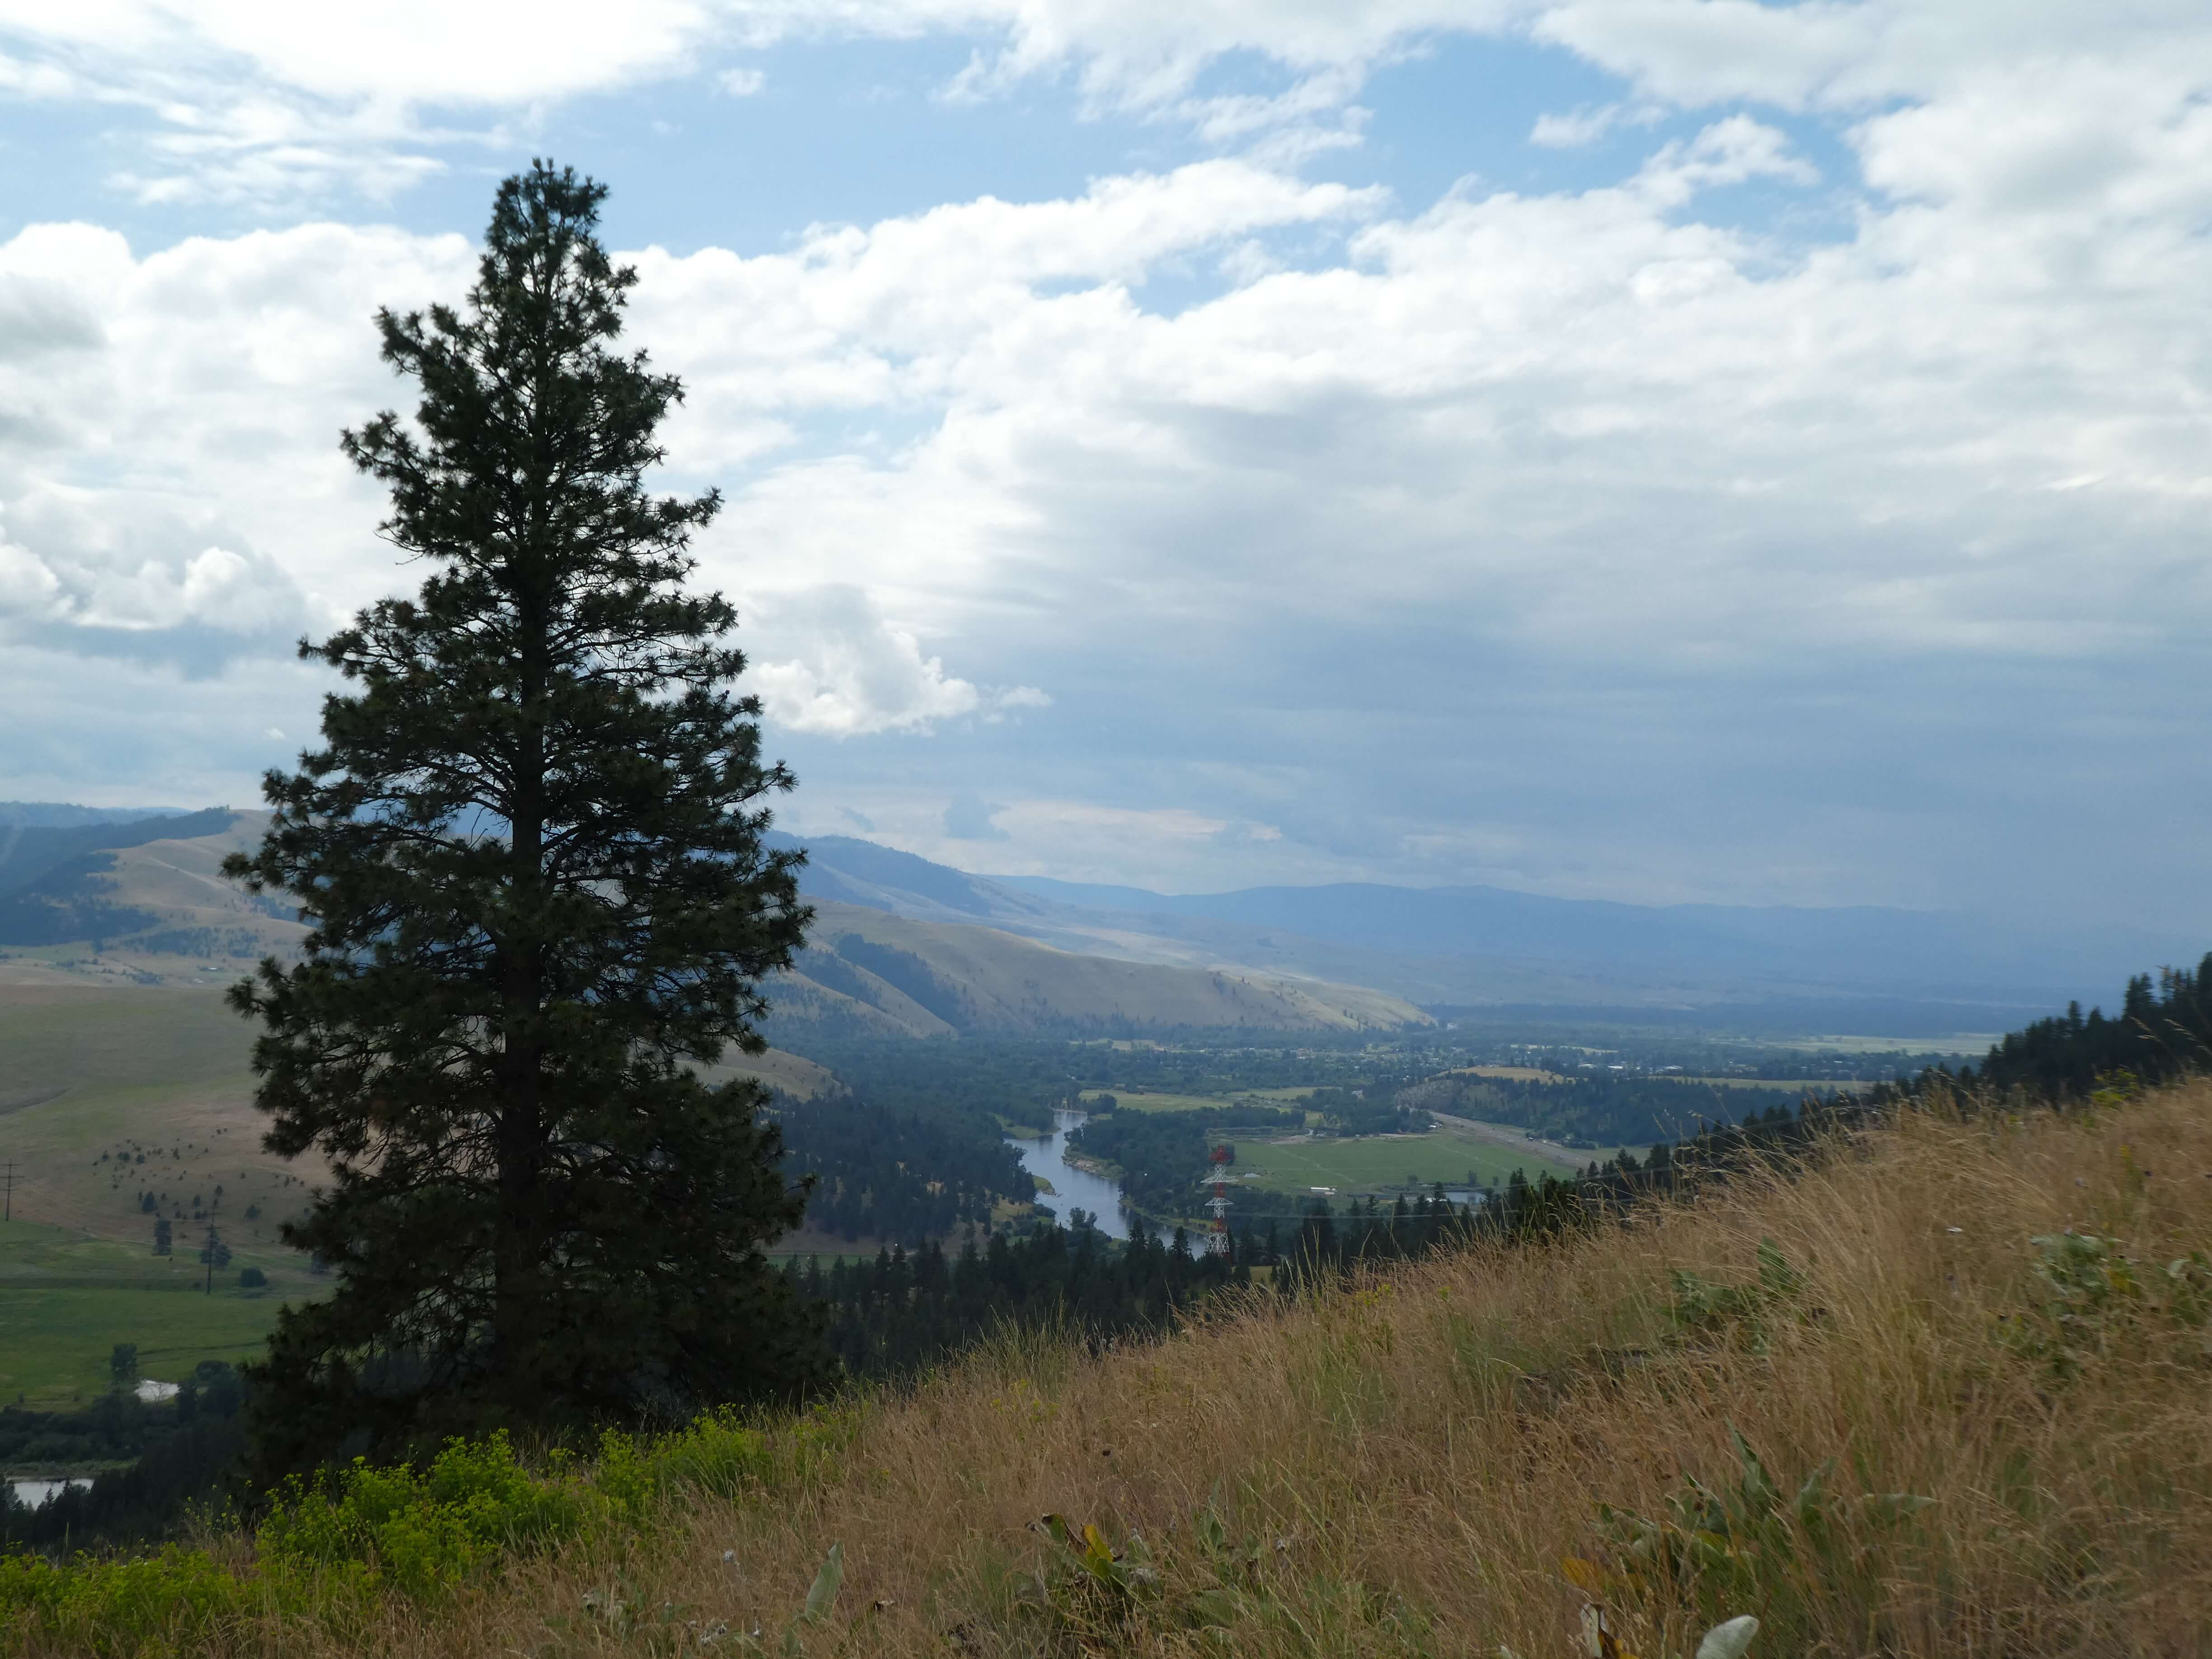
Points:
(1888, 1405)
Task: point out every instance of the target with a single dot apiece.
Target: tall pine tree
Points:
(530, 854)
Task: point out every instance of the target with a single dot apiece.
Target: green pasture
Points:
(67, 1299)
(1132, 1100)
(1370, 1163)
(54, 1039)
(54, 1343)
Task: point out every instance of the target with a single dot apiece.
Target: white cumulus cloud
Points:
(851, 672)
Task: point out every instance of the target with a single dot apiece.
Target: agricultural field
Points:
(1133, 1100)
(66, 1299)
(1373, 1162)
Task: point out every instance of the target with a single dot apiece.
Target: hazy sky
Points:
(1656, 449)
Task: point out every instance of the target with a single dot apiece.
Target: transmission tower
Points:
(1216, 1237)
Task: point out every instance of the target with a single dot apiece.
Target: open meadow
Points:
(1374, 1162)
(1141, 1100)
(66, 1299)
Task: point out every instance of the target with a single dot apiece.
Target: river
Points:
(1073, 1189)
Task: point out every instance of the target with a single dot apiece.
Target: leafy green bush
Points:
(1702, 1308)
(2086, 1295)
(121, 1607)
(330, 1547)
(1749, 1544)
(420, 1531)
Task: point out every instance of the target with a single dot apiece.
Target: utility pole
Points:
(8, 1194)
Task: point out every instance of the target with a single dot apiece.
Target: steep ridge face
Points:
(62, 882)
(868, 972)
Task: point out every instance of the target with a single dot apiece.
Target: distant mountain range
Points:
(53, 815)
(1466, 949)
(903, 945)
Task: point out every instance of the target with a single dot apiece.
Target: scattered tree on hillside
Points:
(530, 853)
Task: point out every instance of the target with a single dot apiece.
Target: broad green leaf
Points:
(823, 1595)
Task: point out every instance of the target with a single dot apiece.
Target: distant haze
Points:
(1854, 968)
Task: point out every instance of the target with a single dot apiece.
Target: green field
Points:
(1372, 1163)
(1132, 1100)
(66, 1300)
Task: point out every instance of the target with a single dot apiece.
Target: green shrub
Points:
(422, 1531)
(1749, 1543)
(2087, 1297)
(330, 1547)
(120, 1606)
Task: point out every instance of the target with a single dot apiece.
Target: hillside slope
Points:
(869, 972)
(1944, 1394)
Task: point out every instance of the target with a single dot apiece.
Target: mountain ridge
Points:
(1471, 945)
(150, 902)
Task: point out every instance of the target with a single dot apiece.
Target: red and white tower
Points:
(1217, 1238)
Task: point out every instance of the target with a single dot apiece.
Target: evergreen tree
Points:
(530, 854)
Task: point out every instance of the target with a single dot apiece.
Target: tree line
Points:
(180, 1450)
(895, 1173)
(906, 1311)
(2163, 1030)
(1597, 1111)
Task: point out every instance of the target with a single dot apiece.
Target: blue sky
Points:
(1651, 449)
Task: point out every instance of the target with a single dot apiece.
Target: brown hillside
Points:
(951, 977)
(2012, 1458)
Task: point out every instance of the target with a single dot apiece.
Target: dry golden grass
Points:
(1415, 1457)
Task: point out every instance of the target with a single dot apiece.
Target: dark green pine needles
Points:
(530, 853)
